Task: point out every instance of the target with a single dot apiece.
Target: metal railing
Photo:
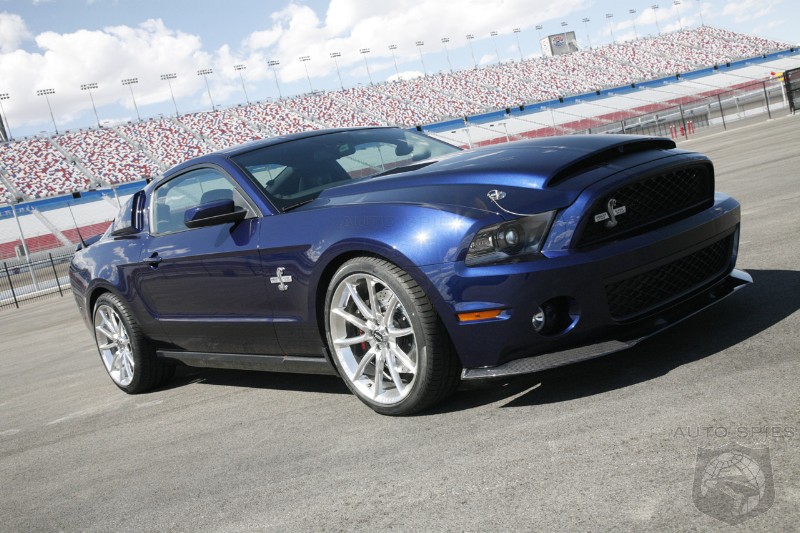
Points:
(36, 278)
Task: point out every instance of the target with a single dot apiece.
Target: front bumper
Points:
(627, 338)
(509, 344)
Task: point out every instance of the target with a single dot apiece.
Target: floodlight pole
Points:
(420, 44)
(472, 50)
(205, 72)
(364, 52)
(167, 78)
(519, 47)
(564, 33)
(446, 40)
(272, 63)
(654, 7)
(700, 10)
(392, 48)
(493, 34)
(239, 69)
(46, 93)
(130, 82)
(304, 60)
(4, 96)
(586, 22)
(633, 19)
(610, 16)
(334, 55)
(88, 87)
(677, 3)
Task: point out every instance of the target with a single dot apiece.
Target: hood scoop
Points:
(626, 145)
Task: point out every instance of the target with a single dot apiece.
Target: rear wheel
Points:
(126, 353)
(386, 339)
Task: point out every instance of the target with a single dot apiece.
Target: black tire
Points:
(436, 373)
(127, 355)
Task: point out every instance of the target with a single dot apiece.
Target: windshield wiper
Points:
(406, 168)
(298, 204)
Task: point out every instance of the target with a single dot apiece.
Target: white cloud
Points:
(350, 25)
(12, 32)
(747, 10)
(66, 61)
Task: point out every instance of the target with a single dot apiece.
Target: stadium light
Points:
(130, 82)
(272, 63)
(516, 34)
(46, 93)
(88, 87)
(539, 29)
(304, 60)
(586, 22)
(364, 52)
(700, 10)
(335, 55)
(472, 51)
(420, 44)
(446, 40)
(610, 16)
(168, 78)
(677, 3)
(633, 19)
(239, 69)
(493, 35)
(4, 96)
(205, 72)
(654, 7)
(392, 48)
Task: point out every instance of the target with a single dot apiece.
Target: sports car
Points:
(403, 264)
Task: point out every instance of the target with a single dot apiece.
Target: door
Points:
(205, 285)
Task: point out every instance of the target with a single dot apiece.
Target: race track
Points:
(603, 444)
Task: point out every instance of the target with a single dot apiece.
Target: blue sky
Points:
(63, 44)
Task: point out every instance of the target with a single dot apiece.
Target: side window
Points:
(196, 187)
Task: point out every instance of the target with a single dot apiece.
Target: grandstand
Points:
(42, 167)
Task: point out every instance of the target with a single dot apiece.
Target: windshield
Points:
(296, 172)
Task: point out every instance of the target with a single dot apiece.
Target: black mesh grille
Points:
(648, 202)
(644, 292)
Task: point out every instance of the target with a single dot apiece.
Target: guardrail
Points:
(31, 279)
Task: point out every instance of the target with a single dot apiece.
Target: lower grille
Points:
(644, 292)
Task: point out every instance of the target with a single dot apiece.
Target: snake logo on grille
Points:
(611, 213)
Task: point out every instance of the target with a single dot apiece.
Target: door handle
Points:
(153, 260)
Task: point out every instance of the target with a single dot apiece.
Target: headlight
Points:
(508, 240)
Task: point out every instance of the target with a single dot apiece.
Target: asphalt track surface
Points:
(606, 444)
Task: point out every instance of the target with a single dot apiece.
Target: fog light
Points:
(556, 316)
(539, 320)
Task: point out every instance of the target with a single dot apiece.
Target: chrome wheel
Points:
(114, 344)
(373, 339)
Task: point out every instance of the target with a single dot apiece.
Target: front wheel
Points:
(386, 340)
(126, 353)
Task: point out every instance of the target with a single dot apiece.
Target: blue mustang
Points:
(404, 264)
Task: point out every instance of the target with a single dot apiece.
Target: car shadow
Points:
(326, 384)
(774, 295)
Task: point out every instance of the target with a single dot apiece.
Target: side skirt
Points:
(270, 363)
